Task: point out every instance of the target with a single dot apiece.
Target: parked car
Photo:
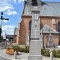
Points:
(58, 47)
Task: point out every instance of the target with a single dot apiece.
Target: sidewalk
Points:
(21, 56)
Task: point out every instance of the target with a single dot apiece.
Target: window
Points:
(30, 26)
(30, 30)
(34, 2)
(53, 21)
(59, 31)
(59, 27)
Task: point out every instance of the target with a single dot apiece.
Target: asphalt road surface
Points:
(2, 47)
(2, 58)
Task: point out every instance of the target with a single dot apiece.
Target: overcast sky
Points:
(13, 9)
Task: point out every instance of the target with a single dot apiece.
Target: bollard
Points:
(51, 55)
(15, 55)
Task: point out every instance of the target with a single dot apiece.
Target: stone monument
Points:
(36, 41)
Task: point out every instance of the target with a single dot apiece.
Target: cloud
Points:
(19, 1)
(15, 1)
(11, 12)
(9, 29)
(5, 21)
(7, 6)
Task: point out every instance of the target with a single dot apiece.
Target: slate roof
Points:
(48, 29)
(47, 9)
(50, 9)
(9, 36)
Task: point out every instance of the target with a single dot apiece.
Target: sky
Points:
(12, 9)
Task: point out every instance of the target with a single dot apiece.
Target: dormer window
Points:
(34, 2)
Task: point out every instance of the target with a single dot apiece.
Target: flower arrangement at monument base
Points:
(10, 50)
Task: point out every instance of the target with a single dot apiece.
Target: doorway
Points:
(59, 31)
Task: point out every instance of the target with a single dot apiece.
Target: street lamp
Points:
(2, 18)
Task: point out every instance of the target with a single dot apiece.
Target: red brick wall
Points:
(24, 27)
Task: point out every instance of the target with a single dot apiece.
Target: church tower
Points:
(31, 5)
(34, 2)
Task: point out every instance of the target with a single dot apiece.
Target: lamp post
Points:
(2, 18)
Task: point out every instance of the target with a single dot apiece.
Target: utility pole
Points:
(2, 18)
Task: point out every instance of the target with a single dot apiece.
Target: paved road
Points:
(22, 56)
(2, 58)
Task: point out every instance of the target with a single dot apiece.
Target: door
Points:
(59, 31)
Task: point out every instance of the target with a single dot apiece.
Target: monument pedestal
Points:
(34, 57)
(35, 50)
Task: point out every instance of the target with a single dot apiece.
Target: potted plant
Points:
(9, 50)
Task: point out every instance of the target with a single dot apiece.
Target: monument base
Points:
(35, 47)
(35, 57)
(35, 50)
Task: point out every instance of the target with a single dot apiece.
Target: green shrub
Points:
(45, 52)
(26, 49)
(58, 53)
(16, 48)
(54, 53)
(21, 49)
(42, 51)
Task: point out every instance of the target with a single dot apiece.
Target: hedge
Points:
(46, 52)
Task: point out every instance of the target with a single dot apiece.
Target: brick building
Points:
(15, 34)
(49, 22)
